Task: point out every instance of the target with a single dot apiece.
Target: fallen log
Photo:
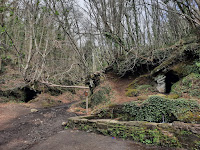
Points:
(64, 86)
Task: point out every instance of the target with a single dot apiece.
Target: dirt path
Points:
(78, 140)
(10, 111)
(43, 130)
(24, 131)
(119, 86)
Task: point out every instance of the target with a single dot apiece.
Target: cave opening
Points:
(29, 94)
(171, 78)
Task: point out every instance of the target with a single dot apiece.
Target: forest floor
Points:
(37, 125)
(22, 129)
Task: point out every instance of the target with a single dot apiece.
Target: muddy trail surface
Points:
(43, 130)
(25, 131)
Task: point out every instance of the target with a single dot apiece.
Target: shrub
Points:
(100, 96)
(159, 109)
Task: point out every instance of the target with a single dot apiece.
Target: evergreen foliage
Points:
(159, 109)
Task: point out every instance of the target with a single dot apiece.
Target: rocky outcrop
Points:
(184, 50)
(22, 93)
(161, 83)
(189, 86)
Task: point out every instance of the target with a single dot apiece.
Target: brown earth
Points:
(20, 129)
(23, 130)
(119, 85)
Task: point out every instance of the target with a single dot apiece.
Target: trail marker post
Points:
(86, 95)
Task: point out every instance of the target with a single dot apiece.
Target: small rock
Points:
(34, 110)
(64, 123)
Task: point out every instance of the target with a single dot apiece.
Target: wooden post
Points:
(86, 94)
(87, 104)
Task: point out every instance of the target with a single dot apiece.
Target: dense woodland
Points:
(66, 40)
(140, 59)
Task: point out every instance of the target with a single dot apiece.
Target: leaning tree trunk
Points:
(0, 64)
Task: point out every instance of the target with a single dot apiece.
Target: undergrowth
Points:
(156, 109)
(189, 85)
(159, 109)
(101, 95)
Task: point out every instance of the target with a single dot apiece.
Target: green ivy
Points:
(159, 109)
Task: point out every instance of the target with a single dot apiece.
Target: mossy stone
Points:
(189, 116)
(173, 96)
(141, 85)
(160, 95)
(189, 85)
(142, 97)
(141, 80)
(132, 92)
(185, 68)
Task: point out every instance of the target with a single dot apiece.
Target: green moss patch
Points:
(141, 80)
(185, 68)
(176, 134)
(173, 96)
(189, 85)
(132, 92)
(140, 86)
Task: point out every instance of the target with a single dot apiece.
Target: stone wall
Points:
(176, 134)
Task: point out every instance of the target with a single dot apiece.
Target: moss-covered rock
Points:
(140, 90)
(142, 97)
(132, 92)
(141, 80)
(176, 134)
(189, 86)
(185, 49)
(22, 93)
(160, 95)
(173, 96)
(183, 69)
(140, 86)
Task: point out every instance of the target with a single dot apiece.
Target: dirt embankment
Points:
(119, 86)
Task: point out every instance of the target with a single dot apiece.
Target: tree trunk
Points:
(0, 64)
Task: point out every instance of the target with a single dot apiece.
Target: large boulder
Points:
(161, 83)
